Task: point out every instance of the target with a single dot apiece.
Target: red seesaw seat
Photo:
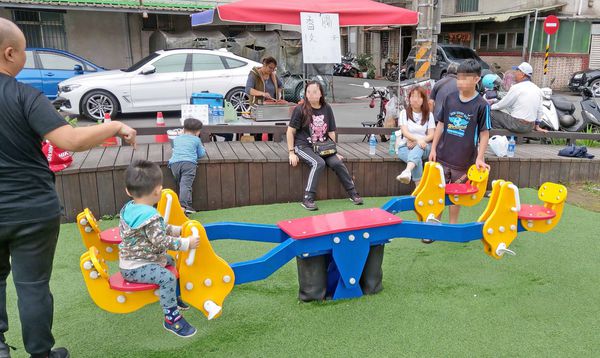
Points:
(319, 225)
(111, 236)
(117, 282)
(536, 212)
(461, 189)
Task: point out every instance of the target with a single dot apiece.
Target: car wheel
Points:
(595, 85)
(239, 100)
(97, 103)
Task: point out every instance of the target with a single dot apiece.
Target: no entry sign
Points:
(551, 25)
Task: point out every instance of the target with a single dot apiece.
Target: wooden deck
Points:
(238, 174)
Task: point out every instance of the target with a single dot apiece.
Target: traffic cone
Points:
(112, 141)
(265, 137)
(160, 122)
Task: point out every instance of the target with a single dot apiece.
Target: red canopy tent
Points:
(287, 12)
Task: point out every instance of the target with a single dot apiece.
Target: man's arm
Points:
(82, 138)
(484, 137)
(439, 129)
(506, 101)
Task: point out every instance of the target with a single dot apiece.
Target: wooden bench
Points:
(278, 131)
(238, 174)
(570, 137)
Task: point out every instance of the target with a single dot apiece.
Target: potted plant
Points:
(365, 62)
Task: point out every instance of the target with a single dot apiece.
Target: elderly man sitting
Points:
(521, 109)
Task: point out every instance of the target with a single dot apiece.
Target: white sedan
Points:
(162, 81)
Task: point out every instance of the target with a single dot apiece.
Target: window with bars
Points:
(42, 28)
(385, 44)
(467, 5)
(368, 43)
(158, 22)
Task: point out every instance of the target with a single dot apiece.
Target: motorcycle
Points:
(590, 109)
(565, 111)
(396, 73)
(550, 115)
(348, 67)
(590, 112)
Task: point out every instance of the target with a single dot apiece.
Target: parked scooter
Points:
(550, 116)
(348, 67)
(565, 112)
(590, 109)
(590, 112)
(396, 73)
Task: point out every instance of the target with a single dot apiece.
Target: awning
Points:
(287, 12)
(380, 28)
(496, 17)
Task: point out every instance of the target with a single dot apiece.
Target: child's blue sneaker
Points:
(182, 306)
(181, 328)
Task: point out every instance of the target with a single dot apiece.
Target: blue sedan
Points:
(46, 67)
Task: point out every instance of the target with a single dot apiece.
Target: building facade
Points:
(506, 33)
(110, 33)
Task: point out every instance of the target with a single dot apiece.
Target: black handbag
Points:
(326, 148)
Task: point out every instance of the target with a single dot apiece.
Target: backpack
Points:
(575, 151)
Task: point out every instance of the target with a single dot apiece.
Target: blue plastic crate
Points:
(211, 99)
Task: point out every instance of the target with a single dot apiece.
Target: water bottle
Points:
(511, 148)
(372, 144)
(221, 115)
(392, 149)
(212, 115)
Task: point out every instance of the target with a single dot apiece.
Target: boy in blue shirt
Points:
(187, 149)
(462, 133)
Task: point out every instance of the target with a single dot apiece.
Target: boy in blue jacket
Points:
(187, 149)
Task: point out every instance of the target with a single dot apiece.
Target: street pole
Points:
(525, 38)
(533, 35)
(546, 60)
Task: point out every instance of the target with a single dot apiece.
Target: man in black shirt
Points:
(443, 88)
(29, 205)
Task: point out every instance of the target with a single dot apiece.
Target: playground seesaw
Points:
(347, 236)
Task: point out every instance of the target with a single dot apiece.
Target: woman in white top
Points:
(417, 126)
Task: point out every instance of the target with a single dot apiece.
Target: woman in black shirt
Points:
(313, 122)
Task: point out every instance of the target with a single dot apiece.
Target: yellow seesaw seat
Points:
(543, 218)
(205, 279)
(107, 241)
(504, 210)
(471, 192)
(430, 195)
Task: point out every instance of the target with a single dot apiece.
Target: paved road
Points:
(349, 112)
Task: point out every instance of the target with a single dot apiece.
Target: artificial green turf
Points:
(444, 299)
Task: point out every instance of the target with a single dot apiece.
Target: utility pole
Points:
(428, 30)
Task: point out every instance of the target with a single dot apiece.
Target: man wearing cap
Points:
(521, 109)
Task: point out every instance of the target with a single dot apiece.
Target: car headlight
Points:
(578, 76)
(68, 88)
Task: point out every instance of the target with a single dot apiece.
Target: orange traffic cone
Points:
(265, 137)
(112, 141)
(160, 122)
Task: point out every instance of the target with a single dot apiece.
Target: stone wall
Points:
(560, 66)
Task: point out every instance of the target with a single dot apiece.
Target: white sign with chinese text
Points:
(320, 37)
